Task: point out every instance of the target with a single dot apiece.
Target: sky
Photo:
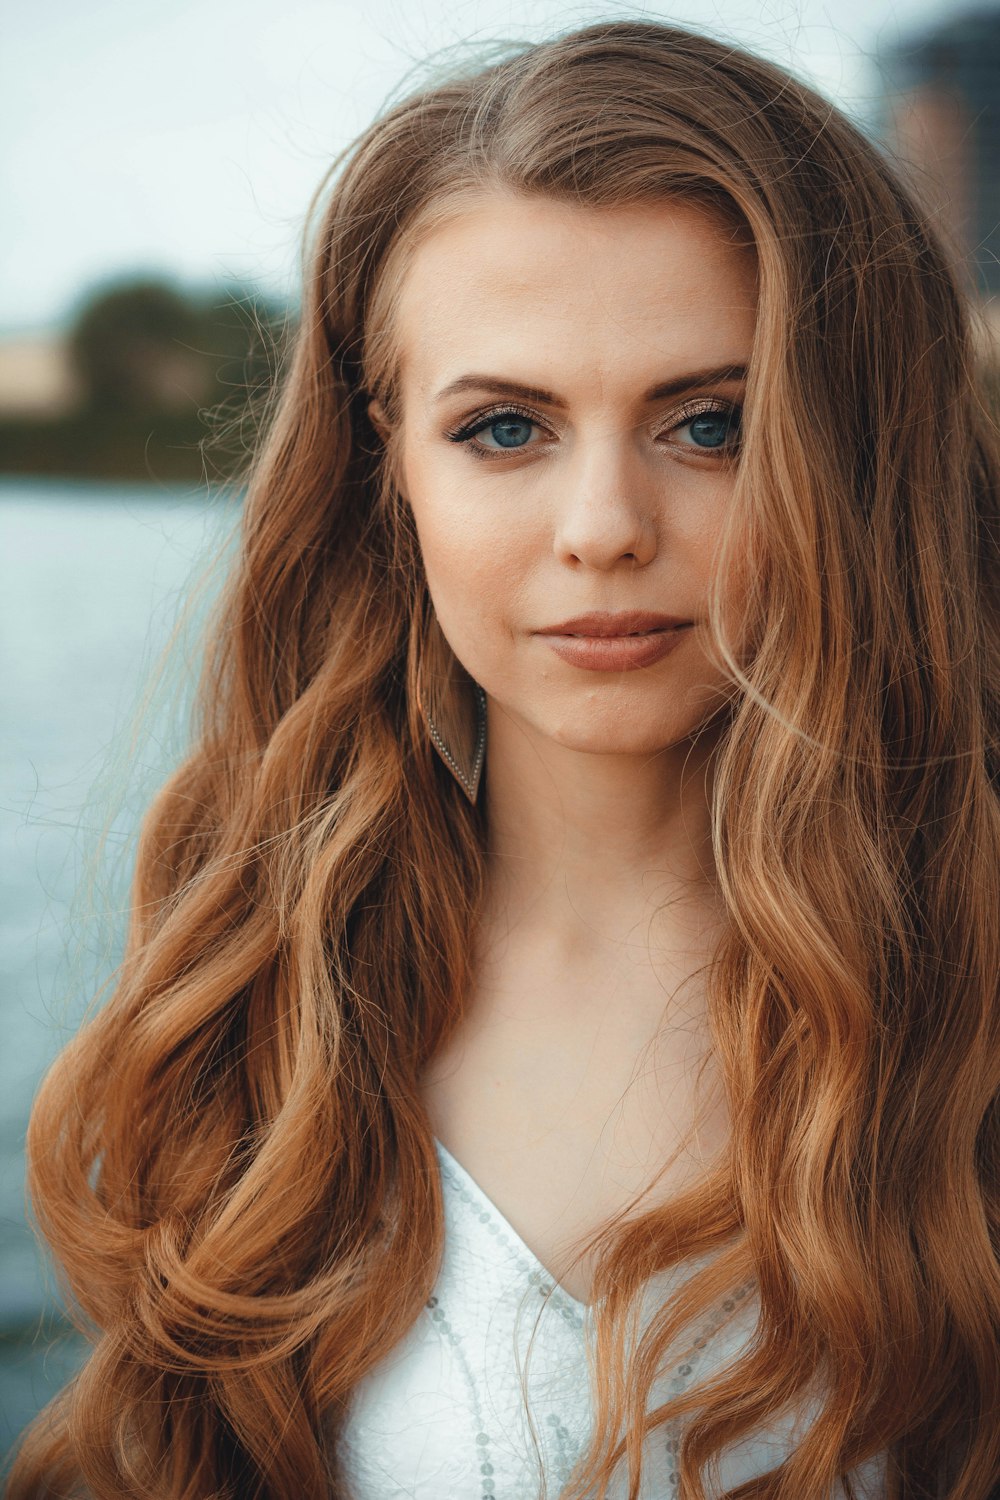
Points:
(187, 137)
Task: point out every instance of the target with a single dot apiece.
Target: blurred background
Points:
(156, 164)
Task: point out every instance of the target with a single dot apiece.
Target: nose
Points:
(607, 513)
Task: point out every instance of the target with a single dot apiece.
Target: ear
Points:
(378, 419)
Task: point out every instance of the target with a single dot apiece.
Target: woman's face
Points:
(571, 384)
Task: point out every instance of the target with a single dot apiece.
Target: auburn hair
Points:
(231, 1160)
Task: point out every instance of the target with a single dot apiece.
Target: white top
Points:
(442, 1416)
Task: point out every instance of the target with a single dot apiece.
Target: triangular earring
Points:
(453, 707)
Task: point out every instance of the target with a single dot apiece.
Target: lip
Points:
(616, 642)
(603, 623)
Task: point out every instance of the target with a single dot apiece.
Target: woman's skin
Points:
(602, 901)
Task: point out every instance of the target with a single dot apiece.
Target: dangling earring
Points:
(453, 707)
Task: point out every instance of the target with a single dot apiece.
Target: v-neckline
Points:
(583, 1308)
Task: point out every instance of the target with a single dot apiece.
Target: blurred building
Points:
(940, 117)
(36, 375)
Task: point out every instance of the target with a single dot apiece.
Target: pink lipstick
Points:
(605, 641)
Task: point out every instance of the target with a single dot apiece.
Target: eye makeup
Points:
(729, 412)
(484, 419)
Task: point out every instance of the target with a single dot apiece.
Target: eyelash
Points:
(687, 413)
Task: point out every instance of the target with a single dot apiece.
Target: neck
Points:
(596, 849)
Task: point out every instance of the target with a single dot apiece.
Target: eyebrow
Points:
(691, 381)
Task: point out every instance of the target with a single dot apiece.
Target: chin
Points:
(624, 721)
(635, 729)
(619, 738)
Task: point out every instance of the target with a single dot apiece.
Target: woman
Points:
(558, 1039)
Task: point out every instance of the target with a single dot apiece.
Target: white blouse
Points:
(442, 1416)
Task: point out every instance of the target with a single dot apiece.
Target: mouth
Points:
(616, 624)
(615, 651)
(623, 635)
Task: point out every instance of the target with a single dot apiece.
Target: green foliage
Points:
(169, 385)
(130, 344)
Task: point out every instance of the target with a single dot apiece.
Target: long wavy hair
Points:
(232, 1162)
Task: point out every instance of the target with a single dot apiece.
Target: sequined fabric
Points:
(443, 1417)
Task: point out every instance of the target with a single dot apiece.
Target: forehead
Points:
(510, 283)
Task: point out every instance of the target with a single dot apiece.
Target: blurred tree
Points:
(143, 346)
(133, 347)
(241, 337)
(172, 385)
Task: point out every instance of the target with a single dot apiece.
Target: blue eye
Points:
(707, 427)
(509, 431)
(713, 429)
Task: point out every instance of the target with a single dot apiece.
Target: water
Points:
(93, 581)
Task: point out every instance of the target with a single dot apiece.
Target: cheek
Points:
(476, 562)
(697, 535)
